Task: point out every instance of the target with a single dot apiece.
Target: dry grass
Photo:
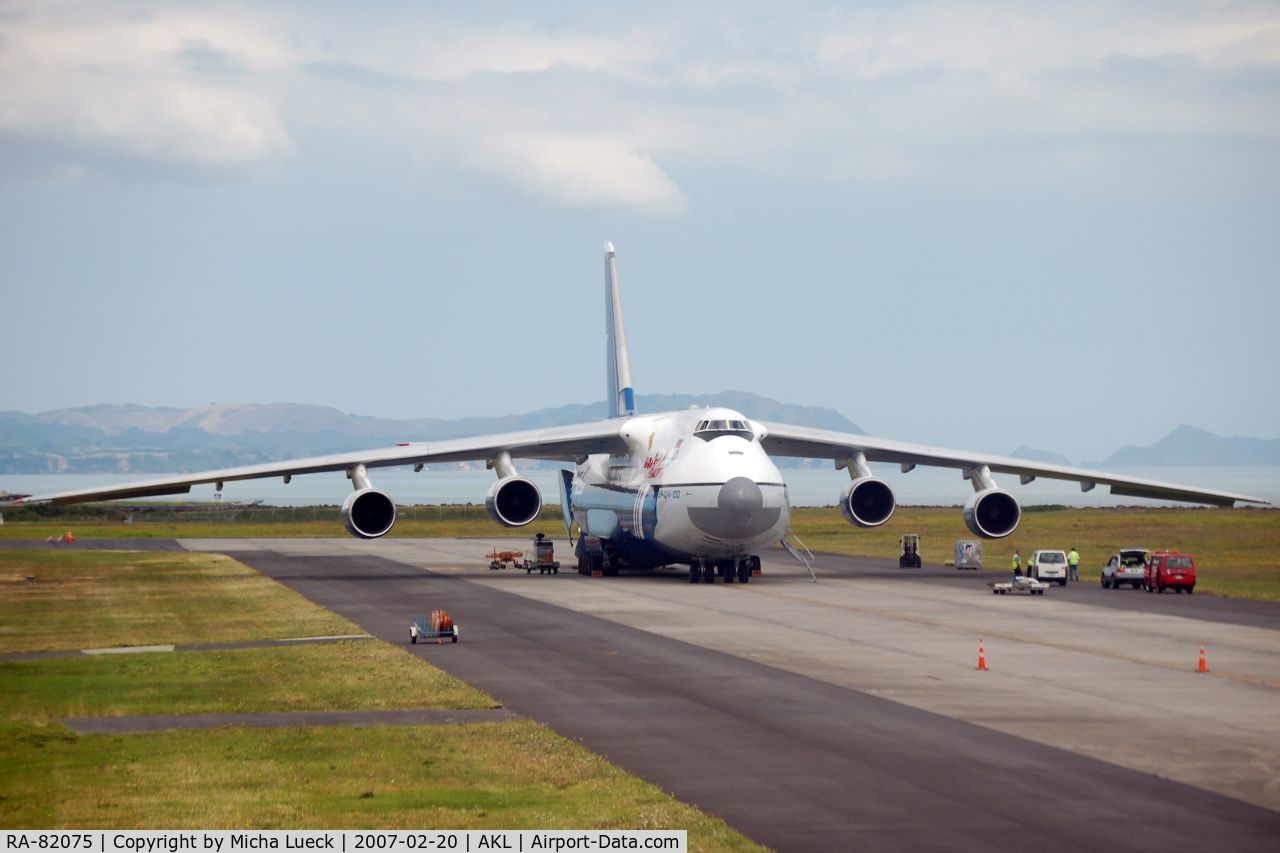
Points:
(354, 675)
(89, 599)
(492, 776)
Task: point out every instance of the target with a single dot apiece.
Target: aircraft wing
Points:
(784, 440)
(556, 443)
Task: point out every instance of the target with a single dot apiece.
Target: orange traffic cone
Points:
(982, 658)
(1203, 667)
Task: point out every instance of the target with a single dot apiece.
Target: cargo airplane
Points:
(696, 487)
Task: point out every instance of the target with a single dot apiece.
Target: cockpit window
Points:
(709, 430)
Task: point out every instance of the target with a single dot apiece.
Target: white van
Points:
(1048, 566)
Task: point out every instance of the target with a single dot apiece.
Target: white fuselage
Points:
(693, 485)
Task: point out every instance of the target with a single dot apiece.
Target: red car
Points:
(1170, 570)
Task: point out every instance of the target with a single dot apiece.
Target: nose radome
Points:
(740, 496)
(739, 512)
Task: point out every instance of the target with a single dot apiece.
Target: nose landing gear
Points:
(740, 570)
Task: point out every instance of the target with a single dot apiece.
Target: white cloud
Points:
(582, 172)
(114, 90)
(598, 108)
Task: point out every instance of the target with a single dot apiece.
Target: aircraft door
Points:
(566, 501)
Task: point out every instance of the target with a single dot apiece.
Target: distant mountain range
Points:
(142, 440)
(1188, 445)
(1031, 454)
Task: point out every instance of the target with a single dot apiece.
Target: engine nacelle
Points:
(368, 513)
(513, 502)
(992, 514)
(868, 502)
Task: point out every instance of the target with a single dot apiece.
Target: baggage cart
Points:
(436, 627)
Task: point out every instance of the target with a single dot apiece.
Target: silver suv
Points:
(1125, 567)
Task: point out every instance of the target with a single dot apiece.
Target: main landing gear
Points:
(595, 560)
(740, 569)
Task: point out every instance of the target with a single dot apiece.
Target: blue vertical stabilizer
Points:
(620, 395)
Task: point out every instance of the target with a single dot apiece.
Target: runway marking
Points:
(405, 717)
(331, 638)
(1003, 635)
(197, 647)
(126, 650)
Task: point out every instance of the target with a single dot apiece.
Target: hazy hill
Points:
(1188, 445)
(139, 439)
(1031, 454)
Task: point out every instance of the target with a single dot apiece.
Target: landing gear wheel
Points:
(744, 571)
(708, 573)
(695, 572)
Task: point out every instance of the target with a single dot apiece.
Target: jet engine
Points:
(513, 502)
(868, 502)
(992, 514)
(368, 513)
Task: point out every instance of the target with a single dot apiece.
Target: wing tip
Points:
(608, 249)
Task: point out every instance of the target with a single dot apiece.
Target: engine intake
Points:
(513, 502)
(992, 514)
(368, 513)
(868, 502)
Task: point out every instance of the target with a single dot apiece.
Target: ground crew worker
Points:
(1073, 564)
(1017, 564)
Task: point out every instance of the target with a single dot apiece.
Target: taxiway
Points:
(848, 714)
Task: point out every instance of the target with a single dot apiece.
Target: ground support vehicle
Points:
(436, 627)
(502, 559)
(1170, 570)
(1125, 567)
(910, 556)
(543, 557)
(1030, 586)
(1048, 565)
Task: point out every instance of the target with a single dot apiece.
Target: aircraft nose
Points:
(740, 497)
(739, 512)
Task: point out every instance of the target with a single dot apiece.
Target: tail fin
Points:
(621, 398)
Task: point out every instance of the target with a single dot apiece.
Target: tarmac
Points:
(848, 714)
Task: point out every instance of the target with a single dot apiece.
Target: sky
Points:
(978, 225)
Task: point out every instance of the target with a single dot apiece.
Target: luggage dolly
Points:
(1030, 586)
(437, 627)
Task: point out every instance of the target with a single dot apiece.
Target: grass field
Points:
(354, 675)
(495, 775)
(1238, 551)
(86, 599)
(492, 776)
